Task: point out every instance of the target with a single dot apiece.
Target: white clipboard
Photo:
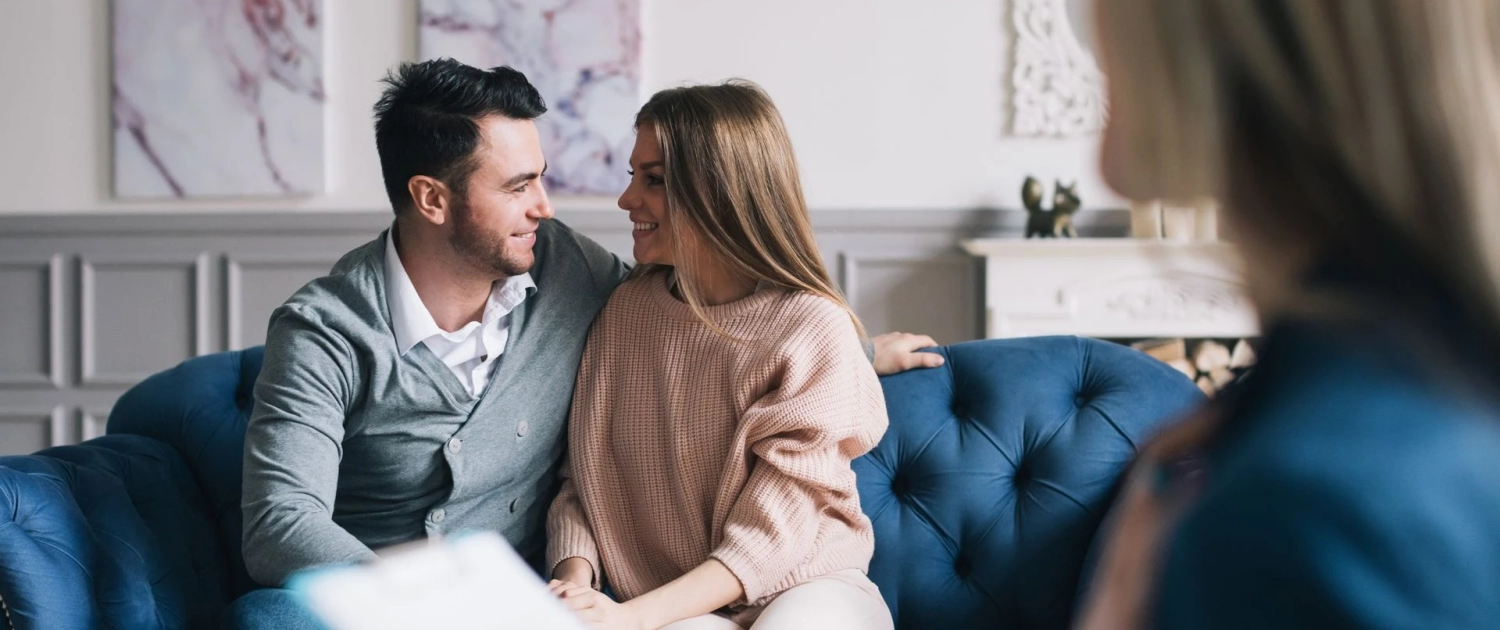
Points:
(468, 582)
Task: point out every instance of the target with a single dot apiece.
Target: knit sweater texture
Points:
(685, 445)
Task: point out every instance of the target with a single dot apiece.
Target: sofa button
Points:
(962, 566)
(513, 504)
(455, 445)
(901, 487)
(523, 428)
(438, 515)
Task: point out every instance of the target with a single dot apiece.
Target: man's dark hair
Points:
(426, 122)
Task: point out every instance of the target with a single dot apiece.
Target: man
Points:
(423, 386)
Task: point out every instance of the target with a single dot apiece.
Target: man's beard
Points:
(482, 248)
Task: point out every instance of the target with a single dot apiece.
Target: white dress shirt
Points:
(470, 352)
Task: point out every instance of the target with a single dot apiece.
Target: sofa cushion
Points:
(110, 533)
(996, 471)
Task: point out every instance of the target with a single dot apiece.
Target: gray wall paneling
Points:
(92, 304)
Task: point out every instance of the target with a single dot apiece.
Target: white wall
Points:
(892, 104)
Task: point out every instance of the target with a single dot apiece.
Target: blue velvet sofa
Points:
(985, 493)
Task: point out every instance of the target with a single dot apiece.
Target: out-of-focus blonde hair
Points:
(1358, 134)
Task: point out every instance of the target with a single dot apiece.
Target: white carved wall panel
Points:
(1056, 86)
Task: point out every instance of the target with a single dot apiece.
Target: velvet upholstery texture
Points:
(996, 471)
(139, 528)
(985, 492)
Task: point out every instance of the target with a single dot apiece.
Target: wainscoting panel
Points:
(256, 285)
(91, 422)
(934, 295)
(92, 304)
(31, 330)
(25, 431)
(141, 311)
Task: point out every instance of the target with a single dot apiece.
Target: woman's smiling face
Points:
(646, 201)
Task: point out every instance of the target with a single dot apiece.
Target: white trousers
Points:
(844, 600)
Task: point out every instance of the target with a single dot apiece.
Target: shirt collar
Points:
(413, 323)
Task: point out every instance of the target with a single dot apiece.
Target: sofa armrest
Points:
(113, 532)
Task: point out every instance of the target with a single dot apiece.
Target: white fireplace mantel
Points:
(1116, 288)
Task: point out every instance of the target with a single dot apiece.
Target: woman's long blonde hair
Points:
(1364, 134)
(733, 191)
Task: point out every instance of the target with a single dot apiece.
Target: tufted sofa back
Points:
(200, 408)
(139, 528)
(985, 492)
(996, 471)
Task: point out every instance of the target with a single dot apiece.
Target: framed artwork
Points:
(584, 56)
(217, 98)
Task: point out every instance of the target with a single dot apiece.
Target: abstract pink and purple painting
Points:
(582, 55)
(217, 98)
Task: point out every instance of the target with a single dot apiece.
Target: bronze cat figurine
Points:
(1056, 222)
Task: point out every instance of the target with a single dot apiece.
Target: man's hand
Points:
(897, 352)
(596, 609)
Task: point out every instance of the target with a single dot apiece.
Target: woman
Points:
(1354, 479)
(723, 393)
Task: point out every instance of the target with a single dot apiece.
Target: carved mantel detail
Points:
(1187, 301)
(1114, 289)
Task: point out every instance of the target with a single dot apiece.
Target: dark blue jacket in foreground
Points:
(1350, 490)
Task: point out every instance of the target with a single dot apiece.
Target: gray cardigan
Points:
(353, 446)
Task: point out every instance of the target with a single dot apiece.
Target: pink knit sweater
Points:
(686, 446)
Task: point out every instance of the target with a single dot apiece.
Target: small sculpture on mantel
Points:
(1056, 222)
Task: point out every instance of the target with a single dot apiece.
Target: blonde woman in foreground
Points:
(724, 391)
(1353, 480)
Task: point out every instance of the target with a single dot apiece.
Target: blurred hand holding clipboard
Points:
(471, 581)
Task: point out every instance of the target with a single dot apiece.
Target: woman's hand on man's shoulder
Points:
(897, 352)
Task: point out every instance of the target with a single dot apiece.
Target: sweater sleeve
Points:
(605, 269)
(568, 532)
(802, 436)
(293, 445)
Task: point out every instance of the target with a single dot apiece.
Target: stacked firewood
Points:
(1210, 363)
